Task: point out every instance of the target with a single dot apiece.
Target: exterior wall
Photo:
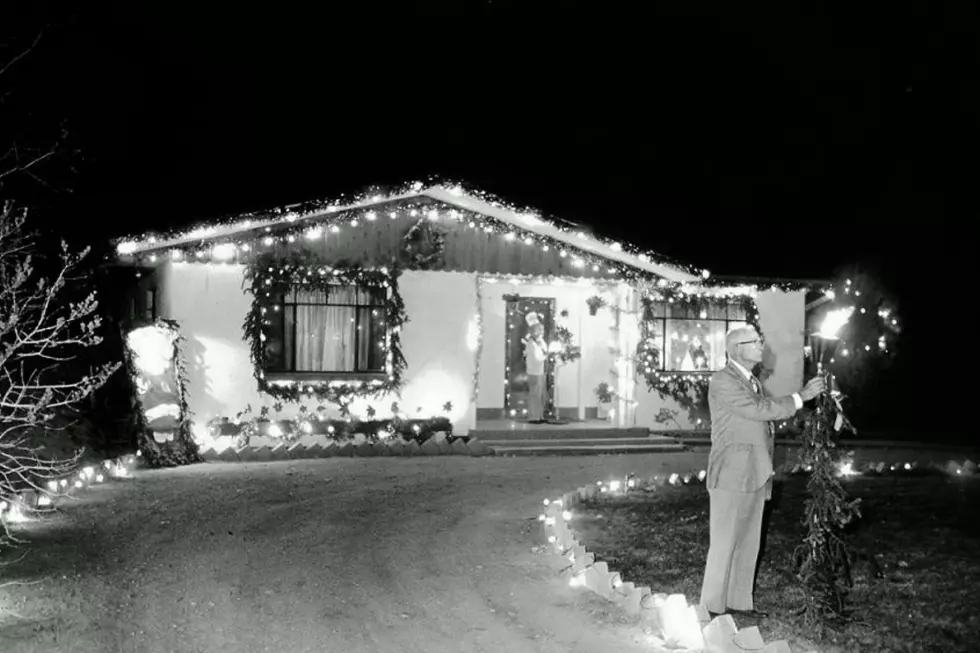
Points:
(209, 303)
(439, 344)
(577, 380)
(781, 316)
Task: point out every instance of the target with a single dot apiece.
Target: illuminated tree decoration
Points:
(155, 360)
(270, 276)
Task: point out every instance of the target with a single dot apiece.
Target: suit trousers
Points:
(735, 523)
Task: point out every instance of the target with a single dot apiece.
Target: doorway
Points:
(515, 368)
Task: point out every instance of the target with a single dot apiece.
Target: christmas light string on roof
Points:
(224, 240)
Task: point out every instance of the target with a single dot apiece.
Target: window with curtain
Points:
(341, 329)
(692, 338)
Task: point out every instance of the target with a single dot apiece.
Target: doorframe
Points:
(508, 345)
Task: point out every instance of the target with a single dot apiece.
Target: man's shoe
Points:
(751, 614)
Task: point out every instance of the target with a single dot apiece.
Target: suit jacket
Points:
(741, 441)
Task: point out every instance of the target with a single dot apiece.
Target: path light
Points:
(680, 624)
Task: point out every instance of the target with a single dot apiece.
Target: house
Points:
(415, 304)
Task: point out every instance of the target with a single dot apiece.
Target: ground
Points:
(914, 525)
(380, 554)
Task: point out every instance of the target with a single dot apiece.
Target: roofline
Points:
(761, 281)
(455, 197)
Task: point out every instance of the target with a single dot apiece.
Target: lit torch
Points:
(823, 344)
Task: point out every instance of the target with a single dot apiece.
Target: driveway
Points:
(353, 555)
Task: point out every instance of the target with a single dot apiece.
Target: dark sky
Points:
(759, 140)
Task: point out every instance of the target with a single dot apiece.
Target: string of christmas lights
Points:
(272, 276)
(230, 239)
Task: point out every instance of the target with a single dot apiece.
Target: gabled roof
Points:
(453, 196)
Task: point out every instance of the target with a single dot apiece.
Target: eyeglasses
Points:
(757, 341)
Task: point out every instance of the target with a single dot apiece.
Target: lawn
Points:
(920, 526)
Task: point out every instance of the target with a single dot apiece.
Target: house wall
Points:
(209, 303)
(781, 317)
(577, 380)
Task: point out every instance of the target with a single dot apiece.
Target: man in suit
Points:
(740, 471)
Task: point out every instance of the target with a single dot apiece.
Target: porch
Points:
(588, 437)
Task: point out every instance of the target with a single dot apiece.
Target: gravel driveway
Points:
(353, 555)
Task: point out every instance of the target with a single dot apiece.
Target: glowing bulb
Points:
(223, 251)
(566, 515)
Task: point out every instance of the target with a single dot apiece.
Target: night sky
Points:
(750, 140)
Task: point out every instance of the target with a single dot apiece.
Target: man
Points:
(535, 354)
(740, 471)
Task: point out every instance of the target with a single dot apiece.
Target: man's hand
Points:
(813, 388)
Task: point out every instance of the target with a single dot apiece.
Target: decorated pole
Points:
(822, 556)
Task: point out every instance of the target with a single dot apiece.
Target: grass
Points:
(921, 528)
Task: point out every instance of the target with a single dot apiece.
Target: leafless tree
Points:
(45, 324)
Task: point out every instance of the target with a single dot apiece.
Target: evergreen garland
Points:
(271, 275)
(823, 559)
(182, 450)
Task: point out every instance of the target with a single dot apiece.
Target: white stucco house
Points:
(419, 299)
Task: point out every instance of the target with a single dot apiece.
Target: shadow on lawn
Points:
(918, 526)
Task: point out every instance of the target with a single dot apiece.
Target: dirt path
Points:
(353, 555)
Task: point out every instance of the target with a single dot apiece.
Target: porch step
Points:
(583, 446)
(557, 432)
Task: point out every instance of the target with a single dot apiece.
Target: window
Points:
(692, 338)
(341, 329)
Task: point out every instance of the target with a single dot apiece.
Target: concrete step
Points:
(559, 433)
(579, 447)
(578, 442)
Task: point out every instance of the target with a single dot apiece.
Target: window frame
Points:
(288, 371)
(663, 321)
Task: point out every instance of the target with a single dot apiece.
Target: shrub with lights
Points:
(305, 422)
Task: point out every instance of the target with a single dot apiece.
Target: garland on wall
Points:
(271, 276)
(178, 446)
(478, 335)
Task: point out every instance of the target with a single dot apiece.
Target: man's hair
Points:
(737, 335)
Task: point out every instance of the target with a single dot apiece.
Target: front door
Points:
(515, 369)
